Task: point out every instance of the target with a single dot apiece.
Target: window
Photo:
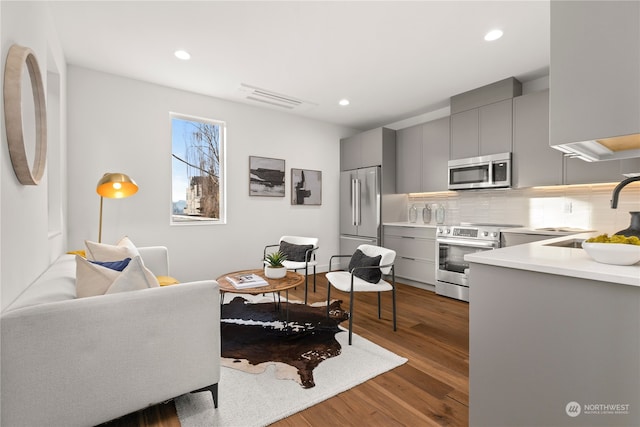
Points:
(197, 156)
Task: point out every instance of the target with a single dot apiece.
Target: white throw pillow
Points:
(104, 252)
(93, 279)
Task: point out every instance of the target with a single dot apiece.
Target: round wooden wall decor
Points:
(18, 57)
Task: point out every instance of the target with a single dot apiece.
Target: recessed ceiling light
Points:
(343, 102)
(493, 35)
(182, 54)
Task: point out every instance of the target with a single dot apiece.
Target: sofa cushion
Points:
(104, 252)
(93, 279)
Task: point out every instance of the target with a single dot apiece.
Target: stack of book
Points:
(243, 281)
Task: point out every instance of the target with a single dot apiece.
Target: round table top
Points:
(291, 280)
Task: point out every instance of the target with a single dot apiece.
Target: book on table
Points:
(241, 281)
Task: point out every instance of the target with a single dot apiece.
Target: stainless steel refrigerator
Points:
(360, 209)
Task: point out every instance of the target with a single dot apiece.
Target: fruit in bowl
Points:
(617, 249)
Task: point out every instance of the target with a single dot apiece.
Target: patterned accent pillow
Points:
(295, 253)
(359, 259)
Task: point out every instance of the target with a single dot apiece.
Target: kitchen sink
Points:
(571, 243)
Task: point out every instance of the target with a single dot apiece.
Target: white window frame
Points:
(187, 220)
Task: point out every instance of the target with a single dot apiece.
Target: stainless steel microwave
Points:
(492, 171)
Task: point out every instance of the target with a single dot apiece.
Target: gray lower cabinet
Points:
(534, 162)
(415, 252)
(481, 131)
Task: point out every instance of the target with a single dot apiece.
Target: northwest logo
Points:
(573, 409)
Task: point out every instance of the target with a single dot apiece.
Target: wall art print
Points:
(306, 187)
(266, 177)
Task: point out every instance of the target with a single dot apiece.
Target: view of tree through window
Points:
(197, 190)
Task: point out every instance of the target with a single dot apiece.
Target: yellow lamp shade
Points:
(116, 186)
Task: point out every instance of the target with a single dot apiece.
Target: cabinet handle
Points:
(407, 237)
(406, 257)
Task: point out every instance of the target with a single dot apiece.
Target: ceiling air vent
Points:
(275, 99)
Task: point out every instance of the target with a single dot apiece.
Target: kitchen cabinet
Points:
(371, 148)
(578, 171)
(422, 152)
(435, 154)
(534, 163)
(415, 252)
(484, 130)
(409, 160)
(595, 71)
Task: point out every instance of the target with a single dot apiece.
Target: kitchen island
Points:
(554, 338)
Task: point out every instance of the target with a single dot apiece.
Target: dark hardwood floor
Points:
(432, 388)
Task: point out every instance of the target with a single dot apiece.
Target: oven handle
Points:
(468, 243)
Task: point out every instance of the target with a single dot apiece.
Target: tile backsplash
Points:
(578, 206)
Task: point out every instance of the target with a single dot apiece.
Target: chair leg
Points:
(393, 293)
(328, 297)
(314, 279)
(379, 316)
(306, 282)
(351, 316)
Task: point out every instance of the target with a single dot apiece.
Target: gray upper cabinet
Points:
(422, 153)
(534, 162)
(464, 134)
(578, 171)
(496, 127)
(481, 131)
(435, 154)
(366, 149)
(409, 160)
(594, 76)
(350, 149)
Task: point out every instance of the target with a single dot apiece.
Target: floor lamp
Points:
(114, 186)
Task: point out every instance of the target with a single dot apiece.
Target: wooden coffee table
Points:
(291, 280)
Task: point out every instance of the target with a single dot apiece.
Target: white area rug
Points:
(260, 399)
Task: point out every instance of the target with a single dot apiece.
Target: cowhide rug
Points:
(254, 335)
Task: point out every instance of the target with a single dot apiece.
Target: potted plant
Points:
(274, 269)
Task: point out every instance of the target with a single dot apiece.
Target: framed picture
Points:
(306, 187)
(266, 177)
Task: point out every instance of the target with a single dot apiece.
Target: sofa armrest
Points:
(90, 360)
(156, 259)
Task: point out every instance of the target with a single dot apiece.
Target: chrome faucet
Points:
(616, 191)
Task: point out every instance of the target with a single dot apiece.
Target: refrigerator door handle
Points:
(358, 197)
(353, 202)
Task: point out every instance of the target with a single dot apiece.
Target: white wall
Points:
(26, 249)
(118, 124)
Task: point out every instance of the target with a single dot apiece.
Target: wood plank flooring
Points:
(431, 389)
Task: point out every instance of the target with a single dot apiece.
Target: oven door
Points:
(452, 268)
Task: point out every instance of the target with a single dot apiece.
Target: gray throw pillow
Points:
(295, 253)
(359, 259)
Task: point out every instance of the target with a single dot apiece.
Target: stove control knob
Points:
(439, 230)
(447, 231)
(485, 233)
(494, 234)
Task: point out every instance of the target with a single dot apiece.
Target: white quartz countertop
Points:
(559, 231)
(572, 262)
(410, 224)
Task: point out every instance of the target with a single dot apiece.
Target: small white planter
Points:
(275, 272)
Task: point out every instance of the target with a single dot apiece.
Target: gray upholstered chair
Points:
(364, 267)
(301, 254)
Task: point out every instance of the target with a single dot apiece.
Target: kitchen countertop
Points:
(550, 231)
(410, 224)
(572, 262)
